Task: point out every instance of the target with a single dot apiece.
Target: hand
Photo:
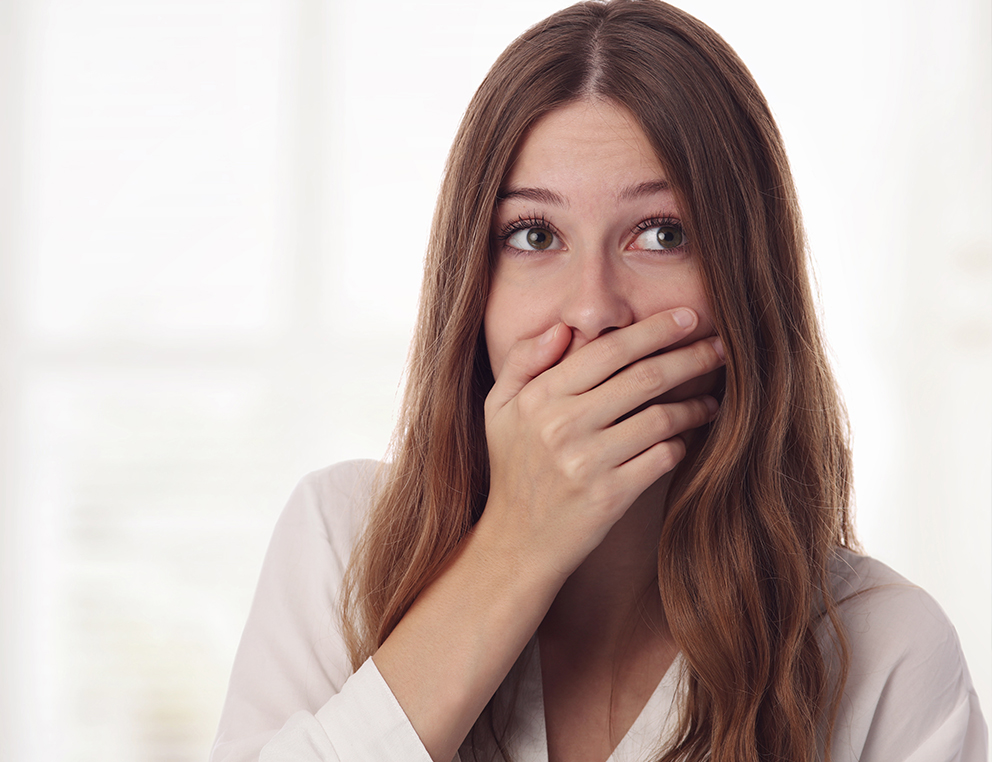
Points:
(573, 444)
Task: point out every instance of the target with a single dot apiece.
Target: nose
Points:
(595, 301)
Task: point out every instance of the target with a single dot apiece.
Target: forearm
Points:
(448, 655)
(567, 458)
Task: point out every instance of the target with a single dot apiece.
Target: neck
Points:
(613, 594)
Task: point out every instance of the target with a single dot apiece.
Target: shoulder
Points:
(292, 654)
(329, 505)
(891, 622)
(340, 493)
(887, 618)
(908, 683)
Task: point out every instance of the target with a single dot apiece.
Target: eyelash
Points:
(525, 223)
(538, 221)
(656, 222)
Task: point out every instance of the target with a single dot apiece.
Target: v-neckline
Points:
(529, 739)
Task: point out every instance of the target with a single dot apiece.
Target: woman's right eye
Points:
(533, 239)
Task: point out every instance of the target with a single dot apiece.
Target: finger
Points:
(656, 461)
(650, 377)
(654, 424)
(526, 360)
(601, 358)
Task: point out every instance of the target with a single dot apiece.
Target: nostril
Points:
(596, 306)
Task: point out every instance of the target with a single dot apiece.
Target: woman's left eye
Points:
(657, 235)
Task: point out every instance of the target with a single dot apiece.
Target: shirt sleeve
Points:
(292, 694)
(909, 696)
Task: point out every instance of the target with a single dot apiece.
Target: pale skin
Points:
(601, 343)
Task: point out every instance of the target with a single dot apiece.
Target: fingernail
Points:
(683, 318)
(711, 404)
(718, 347)
(549, 334)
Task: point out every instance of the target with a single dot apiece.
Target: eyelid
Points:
(656, 222)
(537, 220)
(527, 222)
(524, 222)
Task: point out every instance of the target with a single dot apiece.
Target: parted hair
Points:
(760, 503)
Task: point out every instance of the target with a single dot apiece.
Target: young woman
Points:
(615, 522)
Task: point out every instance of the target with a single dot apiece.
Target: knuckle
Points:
(702, 411)
(709, 357)
(702, 360)
(516, 357)
(575, 467)
(553, 432)
(643, 375)
(695, 413)
(663, 419)
(672, 452)
(609, 349)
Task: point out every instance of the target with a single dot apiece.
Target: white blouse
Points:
(293, 696)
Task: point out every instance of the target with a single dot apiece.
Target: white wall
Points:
(212, 217)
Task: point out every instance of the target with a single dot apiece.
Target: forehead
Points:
(592, 139)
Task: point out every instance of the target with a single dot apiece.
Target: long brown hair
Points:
(754, 514)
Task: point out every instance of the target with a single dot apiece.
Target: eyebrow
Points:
(648, 188)
(549, 197)
(540, 195)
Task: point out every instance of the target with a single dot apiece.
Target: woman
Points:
(615, 522)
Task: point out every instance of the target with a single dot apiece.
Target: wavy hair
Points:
(756, 509)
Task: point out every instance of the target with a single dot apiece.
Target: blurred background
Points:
(212, 219)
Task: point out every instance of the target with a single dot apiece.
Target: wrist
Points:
(515, 552)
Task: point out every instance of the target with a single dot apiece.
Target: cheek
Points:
(515, 311)
(697, 298)
(501, 326)
(681, 287)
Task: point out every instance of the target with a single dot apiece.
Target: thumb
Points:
(526, 360)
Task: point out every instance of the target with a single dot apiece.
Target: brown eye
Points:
(670, 236)
(658, 234)
(533, 239)
(539, 238)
